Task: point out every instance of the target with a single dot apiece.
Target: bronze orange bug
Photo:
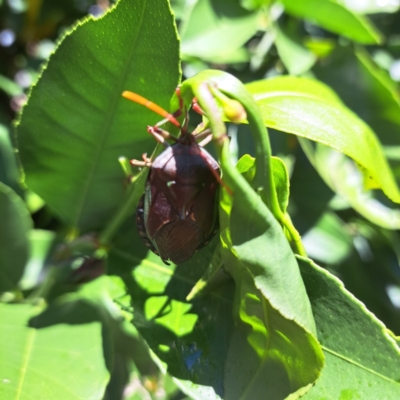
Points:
(178, 213)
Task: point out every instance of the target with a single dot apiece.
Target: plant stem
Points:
(263, 181)
(294, 235)
(126, 209)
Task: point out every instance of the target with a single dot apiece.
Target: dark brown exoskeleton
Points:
(178, 213)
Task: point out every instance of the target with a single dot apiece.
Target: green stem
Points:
(294, 235)
(263, 181)
(126, 209)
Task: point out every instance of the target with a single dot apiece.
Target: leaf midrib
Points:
(349, 360)
(301, 95)
(26, 357)
(106, 125)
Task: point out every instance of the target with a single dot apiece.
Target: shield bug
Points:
(178, 213)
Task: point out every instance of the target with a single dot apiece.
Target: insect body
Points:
(178, 214)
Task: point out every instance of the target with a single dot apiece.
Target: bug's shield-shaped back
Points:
(179, 206)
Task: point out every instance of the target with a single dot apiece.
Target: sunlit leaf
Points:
(9, 174)
(67, 360)
(70, 153)
(294, 55)
(191, 339)
(328, 240)
(371, 6)
(334, 17)
(246, 166)
(346, 329)
(308, 108)
(343, 176)
(40, 245)
(14, 230)
(216, 27)
(365, 88)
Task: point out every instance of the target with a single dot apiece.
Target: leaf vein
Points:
(349, 360)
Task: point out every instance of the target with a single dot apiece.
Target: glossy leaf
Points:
(371, 6)
(257, 254)
(334, 17)
(328, 241)
(254, 4)
(370, 272)
(246, 166)
(9, 86)
(40, 244)
(309, 109)
(275, 329)
(9, 174)
(345, 178)
(365, 88)
(190, 339)
(70, 154)
(341, 321)
(216, 27)
(67, 360)
(294, 55)
(213, 357)
(309, 194)
(14, 245)
(125, 354)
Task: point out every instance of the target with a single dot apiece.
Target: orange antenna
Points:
(136, 98)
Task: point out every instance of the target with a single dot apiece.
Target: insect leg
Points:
(205, 141)
(160, 135)
(137, 163)
(196, 107)
(204, 137)
(179, 111)
(145, 163)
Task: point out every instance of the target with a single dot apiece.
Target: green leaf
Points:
(9, 174)
(14, 246)
(369, 272)
(70, 154)
(370, 6)
(124, 351)
(294, 55)
(346, 329)
(246, 166)
(275, 338)
(309, 194)
(9, 86)
(190, 339)
(67, 360)
(254, 4)
(309, 109)
(275, 328)
(213, 341)
(334, 17)
(328, 241)
(216, 27)
(365, 88)
(41, 242)
(343, 176)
